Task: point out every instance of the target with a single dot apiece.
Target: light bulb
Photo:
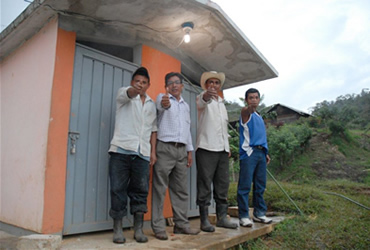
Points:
(187, 38)
(187, 28)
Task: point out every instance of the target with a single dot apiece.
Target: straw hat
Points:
(211, 74)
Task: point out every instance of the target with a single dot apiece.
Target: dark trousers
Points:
(212, 168)
(129, 177)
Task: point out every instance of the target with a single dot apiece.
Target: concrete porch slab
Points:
(221, 239)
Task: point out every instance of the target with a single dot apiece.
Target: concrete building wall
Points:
(26, 86)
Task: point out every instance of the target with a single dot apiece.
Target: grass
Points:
(329, 221)
(335, 157)
(298, 171)
(331, 164)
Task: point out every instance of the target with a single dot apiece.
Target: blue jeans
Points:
(129, 177)
(252, 169)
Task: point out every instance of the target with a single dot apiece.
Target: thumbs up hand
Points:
(137, 86)
(211, 93)
(166, 100)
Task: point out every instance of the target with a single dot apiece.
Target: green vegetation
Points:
(352, 111)
(314, 159)
(329, 221)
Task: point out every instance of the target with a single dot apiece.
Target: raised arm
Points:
(246, 113)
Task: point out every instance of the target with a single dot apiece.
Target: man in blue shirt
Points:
(254, 158)
(174, 156)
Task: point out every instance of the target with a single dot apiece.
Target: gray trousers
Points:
(170, 171)
(212, 168)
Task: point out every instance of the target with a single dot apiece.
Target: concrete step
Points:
(222, 238)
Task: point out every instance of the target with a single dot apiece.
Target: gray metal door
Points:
(97, 77)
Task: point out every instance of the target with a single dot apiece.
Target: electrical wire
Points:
(344, 197)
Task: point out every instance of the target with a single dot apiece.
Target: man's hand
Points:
(153, 159)
(166, 100)
(153, 145)
(268, 159)
(211, 93)
(137, 86)
(190, 159)
(135, 89)
(246, 113)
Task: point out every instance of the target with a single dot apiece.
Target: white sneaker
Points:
(245, 222)
(262, 219)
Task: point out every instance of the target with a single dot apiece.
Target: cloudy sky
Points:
(321, 48)
(9, 10)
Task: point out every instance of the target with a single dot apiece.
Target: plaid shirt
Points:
(174, 122)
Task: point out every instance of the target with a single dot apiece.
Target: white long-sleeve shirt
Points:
(134, 124)
(212, 133)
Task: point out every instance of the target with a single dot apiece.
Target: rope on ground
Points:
(344, 197)
(282, 189)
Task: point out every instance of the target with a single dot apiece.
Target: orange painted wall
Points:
(158, 65)
(56, 161)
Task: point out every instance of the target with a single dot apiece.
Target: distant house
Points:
(285, 114)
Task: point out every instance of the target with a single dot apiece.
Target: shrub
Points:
(336, 127)
(286, 142)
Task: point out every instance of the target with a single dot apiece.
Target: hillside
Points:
(329, 180)
(330, 157)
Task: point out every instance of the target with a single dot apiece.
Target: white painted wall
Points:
(26, 83)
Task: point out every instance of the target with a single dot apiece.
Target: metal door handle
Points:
(73, 135)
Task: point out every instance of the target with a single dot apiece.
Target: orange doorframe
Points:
(56, 160)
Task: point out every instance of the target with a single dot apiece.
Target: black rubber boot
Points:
(205, 225)
(138, 228)
(222, 221)
(118, 232)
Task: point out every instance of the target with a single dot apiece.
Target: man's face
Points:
(253, 100)
(213, 83)
(144, 83)
(175, 86)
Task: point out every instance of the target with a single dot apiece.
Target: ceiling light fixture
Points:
(187, 28)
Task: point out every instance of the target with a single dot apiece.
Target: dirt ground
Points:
(330, 163)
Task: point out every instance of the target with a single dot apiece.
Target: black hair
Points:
(141, 72)
(171, 74)
(250, 91)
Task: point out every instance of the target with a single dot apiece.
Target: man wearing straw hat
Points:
(212, 154)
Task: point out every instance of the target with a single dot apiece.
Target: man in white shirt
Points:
(212, 154)
(132, 151)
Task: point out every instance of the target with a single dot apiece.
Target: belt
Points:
(259, 147)
(176, 144)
